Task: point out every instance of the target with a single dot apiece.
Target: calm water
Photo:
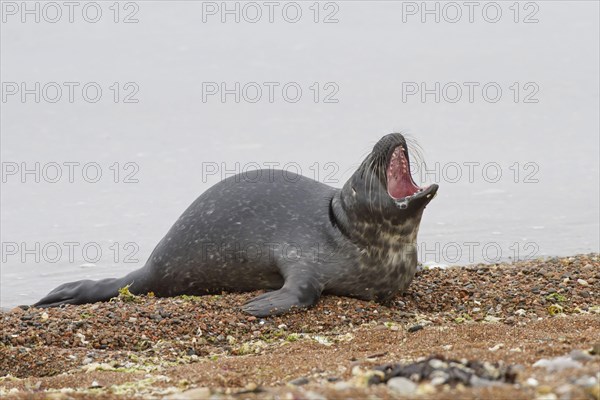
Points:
(172, 144)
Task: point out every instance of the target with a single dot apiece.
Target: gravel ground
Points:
(524, 330)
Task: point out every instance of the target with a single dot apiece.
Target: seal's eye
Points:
(353, 191)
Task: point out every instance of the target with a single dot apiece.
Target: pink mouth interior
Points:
(399, 181)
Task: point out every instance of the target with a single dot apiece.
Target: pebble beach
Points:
(526, 330)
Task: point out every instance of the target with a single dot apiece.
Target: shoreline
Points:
(504, 315)
(428, 264)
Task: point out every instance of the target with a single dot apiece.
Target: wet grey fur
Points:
(285, 233)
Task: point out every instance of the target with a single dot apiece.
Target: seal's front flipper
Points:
(282, 300)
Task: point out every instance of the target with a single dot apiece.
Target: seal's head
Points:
(382, 191)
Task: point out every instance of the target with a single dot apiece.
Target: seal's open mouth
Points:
(400, 184)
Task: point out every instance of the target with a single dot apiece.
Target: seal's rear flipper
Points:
(80, 292)
(87, 291)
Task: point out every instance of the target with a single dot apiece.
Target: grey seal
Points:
(290, 235)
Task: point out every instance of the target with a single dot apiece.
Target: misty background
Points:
(178, 139)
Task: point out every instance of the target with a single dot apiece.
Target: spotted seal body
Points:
(288, 234)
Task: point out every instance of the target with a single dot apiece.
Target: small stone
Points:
(56, 396)
(299, 381)
(557, 364)
(310, 395)
(426, 389)
(583, 282)
(579, 355)
(415, 328)
(564, 390)
(586, 381)
(476, 381)
(198, 393)
(516, 350)
(36, 386)
(532, 382)
(438, 378)
(342, 386)
(587, 267)
(546, 396)
(437, 364)
(492, 319)
(402, 386)
(95, 385)
(496, 347)
(545, 389)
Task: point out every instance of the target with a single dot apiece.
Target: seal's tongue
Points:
(399, 181)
